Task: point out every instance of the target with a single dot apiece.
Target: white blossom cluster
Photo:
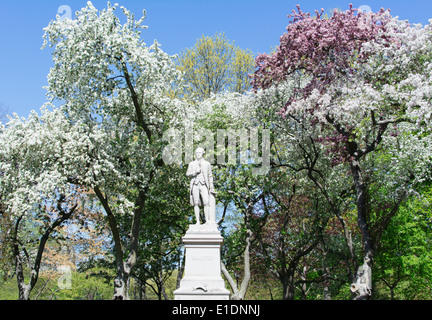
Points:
(396, 80)
(239, 107)
(97, 59)
(39, 154)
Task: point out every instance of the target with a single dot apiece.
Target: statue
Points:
(202, 191)
(202, 278)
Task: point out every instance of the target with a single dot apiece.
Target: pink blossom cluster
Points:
(321, 47)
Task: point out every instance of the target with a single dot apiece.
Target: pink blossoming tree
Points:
(367, 80)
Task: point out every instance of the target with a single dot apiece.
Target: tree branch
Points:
(63, 217)
(114, 229)
(138, 111)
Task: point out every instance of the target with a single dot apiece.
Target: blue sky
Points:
(252, 24)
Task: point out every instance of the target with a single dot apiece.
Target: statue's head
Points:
(199, 153)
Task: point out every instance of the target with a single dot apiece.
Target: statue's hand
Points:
(212, 191)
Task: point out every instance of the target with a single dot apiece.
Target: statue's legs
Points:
(207, 213)
(197, 214)
(198, 191)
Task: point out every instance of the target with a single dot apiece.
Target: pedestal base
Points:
(202, 278)
(193, 295)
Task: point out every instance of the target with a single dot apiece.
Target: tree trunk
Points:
(362, 285)
(124, 268)
(326, 293)
(326, 269)
(120, 285)
(180, 270)
(24, 290)
(120, 282)
(165, 295)
(240, 293)
(287, 280)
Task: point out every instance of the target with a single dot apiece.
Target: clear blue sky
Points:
(252, 24)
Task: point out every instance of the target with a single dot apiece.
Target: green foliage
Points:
(216, 65)
(91, 284)
(404, 262)
(8, 289)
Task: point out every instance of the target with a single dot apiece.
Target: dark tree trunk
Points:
(24, 289)
(362, 285)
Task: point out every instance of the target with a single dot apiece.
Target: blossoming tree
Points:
(36, 157)
(108, 78)
(367, 89)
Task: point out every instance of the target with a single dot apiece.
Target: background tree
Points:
(294, 227)
(161, 232)
(238, 250)
(215, 65)
(295, 155)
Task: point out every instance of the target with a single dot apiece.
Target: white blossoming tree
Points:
(37, 156)
(108, 78)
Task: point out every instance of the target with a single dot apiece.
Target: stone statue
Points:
(202, 279)
(201, 187)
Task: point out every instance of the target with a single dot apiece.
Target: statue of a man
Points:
(201, 185)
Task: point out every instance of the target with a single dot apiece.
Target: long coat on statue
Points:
(207, 173)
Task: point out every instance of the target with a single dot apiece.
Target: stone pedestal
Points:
(202, 278)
